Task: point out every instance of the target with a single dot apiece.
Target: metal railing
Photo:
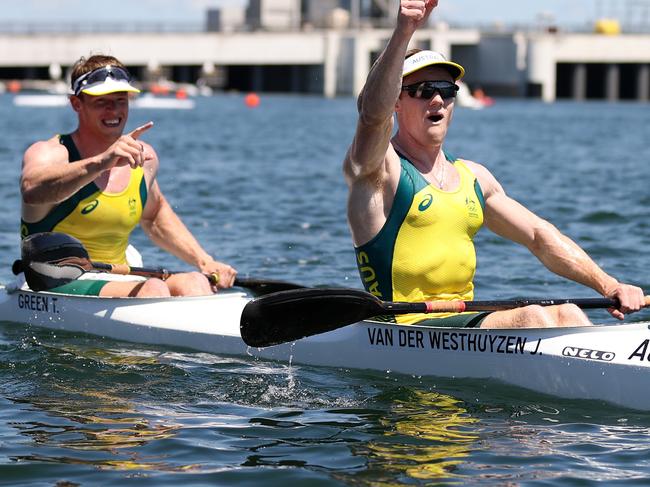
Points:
(97, 27)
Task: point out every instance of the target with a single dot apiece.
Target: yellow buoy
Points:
(610, 27)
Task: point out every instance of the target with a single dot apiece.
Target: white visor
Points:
(104, 80)
(109, 85)
(423, 59)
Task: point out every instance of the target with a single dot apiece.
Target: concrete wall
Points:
(339, 60)
(589, 48)
(166, 49)
(345, 56)
(547, 51)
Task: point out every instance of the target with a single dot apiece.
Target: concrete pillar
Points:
(542, 65)
(643, 82)
(208, 68)
(332, 53)
(521, 56)
(55, 71)
(579, 82)
(361, 64)
(612, 82)
(440, 42)
(153, 70)
(355, 13)
(363, 45)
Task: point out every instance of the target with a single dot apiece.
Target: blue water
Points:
(262, 189)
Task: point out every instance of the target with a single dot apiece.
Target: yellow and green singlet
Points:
(101, 221)
(425, 250)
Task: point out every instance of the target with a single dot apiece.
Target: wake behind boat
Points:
(604, 362)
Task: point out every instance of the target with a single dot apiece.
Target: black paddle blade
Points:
(52, 275)
(289, 315)
(49, 248)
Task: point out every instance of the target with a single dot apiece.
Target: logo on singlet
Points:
(89, 207)
(471, 207)
(132, 203)
(426, 202)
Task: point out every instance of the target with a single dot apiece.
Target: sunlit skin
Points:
(102, 120)
(102, 117)
(423, 126)
(419, 127)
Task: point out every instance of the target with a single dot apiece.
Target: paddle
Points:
(52, 259)
(72, 269)
(289, 315)
(258, 286)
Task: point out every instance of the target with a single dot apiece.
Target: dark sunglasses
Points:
(427, 89)
(98, 75)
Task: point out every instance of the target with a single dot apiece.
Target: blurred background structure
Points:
(327, 47)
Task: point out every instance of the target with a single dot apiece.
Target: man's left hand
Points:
(630, 297)
(225, 274)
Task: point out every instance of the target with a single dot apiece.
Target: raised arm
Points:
(367, 156)
(561, 255)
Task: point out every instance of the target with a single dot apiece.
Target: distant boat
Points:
(150, 101)
(40, 100)
(465, 98)
(144, 101)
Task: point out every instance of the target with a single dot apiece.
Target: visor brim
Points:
(456, 70)
(109, 86)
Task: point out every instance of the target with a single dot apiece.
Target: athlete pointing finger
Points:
(97, 184)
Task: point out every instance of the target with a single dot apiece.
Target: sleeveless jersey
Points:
(101, 221)
(425, 250)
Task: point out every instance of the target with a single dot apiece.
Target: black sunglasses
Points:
(98, 75)
(427, 89)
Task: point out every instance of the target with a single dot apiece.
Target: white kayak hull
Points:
(608, 363)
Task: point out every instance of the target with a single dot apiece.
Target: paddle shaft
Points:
(498, 305)
(397, 308)
(126, 270)
(290, 315)
(260, 286)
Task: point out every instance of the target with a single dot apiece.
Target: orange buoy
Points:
(158, 89)
(252, 100)
(14, 86)
(181, 94)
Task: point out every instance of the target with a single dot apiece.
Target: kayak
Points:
(609, 363)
